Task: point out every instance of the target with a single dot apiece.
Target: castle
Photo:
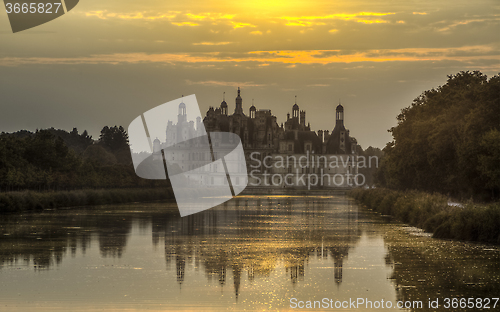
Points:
(289, 155)
(272, 150)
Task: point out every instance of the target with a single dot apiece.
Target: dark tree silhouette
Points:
(445, 141)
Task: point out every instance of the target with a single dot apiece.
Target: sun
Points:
(273, 7)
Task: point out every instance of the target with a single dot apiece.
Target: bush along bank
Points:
(432, 213)
(29, 200)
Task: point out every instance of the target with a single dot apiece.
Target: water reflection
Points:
(428, 268)
(260, 235)
(43, 239)
(252, 253)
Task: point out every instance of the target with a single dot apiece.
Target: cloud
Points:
(185, 24)
(206, 43)
(210, 16)
(469, 21)
(315, 20)
(176, 18)
(104, 14)
(224, 83)
(240, 25)
(214, 18)
(289, 57)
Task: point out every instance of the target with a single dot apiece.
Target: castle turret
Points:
(252, 111)
(223, 105)
(339, 116)
(182, 117)
(239, 104)
(199, 128)
(295, 109)
(339, 142)
(156, 146)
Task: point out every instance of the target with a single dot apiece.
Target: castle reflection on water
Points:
(248, 237)
(256, 235)
(251, 253)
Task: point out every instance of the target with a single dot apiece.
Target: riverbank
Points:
(431, 212)
(29, 200)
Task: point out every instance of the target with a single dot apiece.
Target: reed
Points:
(431, 212)
(30, 200)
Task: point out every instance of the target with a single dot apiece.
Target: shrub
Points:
(29, 200)
(432, 213)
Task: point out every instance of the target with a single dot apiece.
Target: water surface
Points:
(251, 253)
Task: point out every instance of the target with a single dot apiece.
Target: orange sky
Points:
(107, 61)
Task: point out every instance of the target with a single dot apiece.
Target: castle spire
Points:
(295, 109)
(339, 115)
(223, 105)
(239, 104)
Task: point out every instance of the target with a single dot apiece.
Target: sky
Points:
(106, 62)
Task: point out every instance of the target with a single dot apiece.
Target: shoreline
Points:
(432, 213)
(293, 191)
(22, 201)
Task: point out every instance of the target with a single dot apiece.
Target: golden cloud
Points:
(288, 57)
(104, 14)
(224, 83)
(206, 43)
(361, 17)
(465, 22)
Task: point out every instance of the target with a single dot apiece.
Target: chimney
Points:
(320, 135)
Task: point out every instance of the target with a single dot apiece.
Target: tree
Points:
(115, 140)
(438, 143)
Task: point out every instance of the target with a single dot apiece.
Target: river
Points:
(278, 253)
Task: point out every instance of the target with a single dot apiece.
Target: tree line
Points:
(53, 159)
(448, 140)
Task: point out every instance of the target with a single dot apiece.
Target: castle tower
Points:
(223, 105)
(339, 116)
(252, 111)
(157, 150)
(199, 129)
(239, 104)
(338, 142)
(295, 109)
(181, 116)
(303, 118)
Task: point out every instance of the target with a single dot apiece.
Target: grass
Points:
(432, 213)
(28, 200)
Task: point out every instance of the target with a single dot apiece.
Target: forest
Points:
(57, 160)
(448, 141)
